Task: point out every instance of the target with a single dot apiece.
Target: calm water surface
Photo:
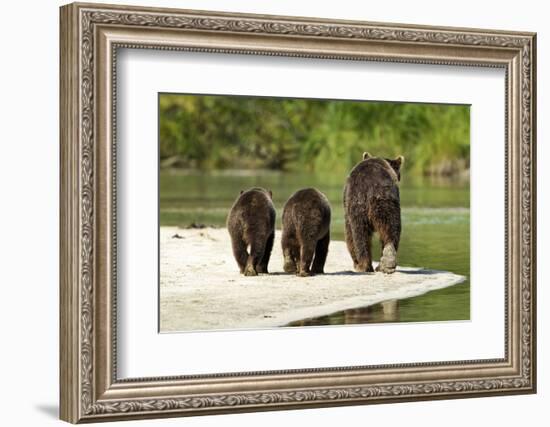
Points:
(435, 230)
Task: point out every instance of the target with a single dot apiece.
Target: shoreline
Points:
(201, 288)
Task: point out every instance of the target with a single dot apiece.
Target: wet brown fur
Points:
(306, 232)
(251, 224)
(372, 204)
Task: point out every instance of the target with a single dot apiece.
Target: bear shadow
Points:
(421, 272)
(348, 273)
(333, 273)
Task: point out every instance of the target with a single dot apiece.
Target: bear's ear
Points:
(396, 165)
(366, 155)
(270, 194)
(399, 161)
(242, 191)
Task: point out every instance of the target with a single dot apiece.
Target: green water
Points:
(435, 230)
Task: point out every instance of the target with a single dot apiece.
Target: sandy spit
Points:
(201, 288)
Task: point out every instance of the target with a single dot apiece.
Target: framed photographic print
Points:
(265, 212)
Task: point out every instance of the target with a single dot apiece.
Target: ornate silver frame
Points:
(90, 36)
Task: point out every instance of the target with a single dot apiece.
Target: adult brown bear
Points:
(371, 204)
(306, 232)
(251, 224)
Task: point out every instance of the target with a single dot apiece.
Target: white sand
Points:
(201, 288)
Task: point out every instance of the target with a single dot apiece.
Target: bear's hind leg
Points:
(321, 251)
(239, 251)
(257, 249)
(290, 252)
(262, 266)
(362, 239)
(389, 246)
(349, 241)
(388, 260)
(307, 249)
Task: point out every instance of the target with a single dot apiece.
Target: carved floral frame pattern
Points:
(79, 401)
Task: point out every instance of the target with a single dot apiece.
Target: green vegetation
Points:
(234, 132)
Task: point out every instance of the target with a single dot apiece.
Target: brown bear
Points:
(371, 204)
(251, 224)
(306, 232)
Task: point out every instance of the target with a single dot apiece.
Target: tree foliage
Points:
(231, 132)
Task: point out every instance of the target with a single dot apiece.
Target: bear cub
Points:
(372, 204)
(306, 232)
(251, 224)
